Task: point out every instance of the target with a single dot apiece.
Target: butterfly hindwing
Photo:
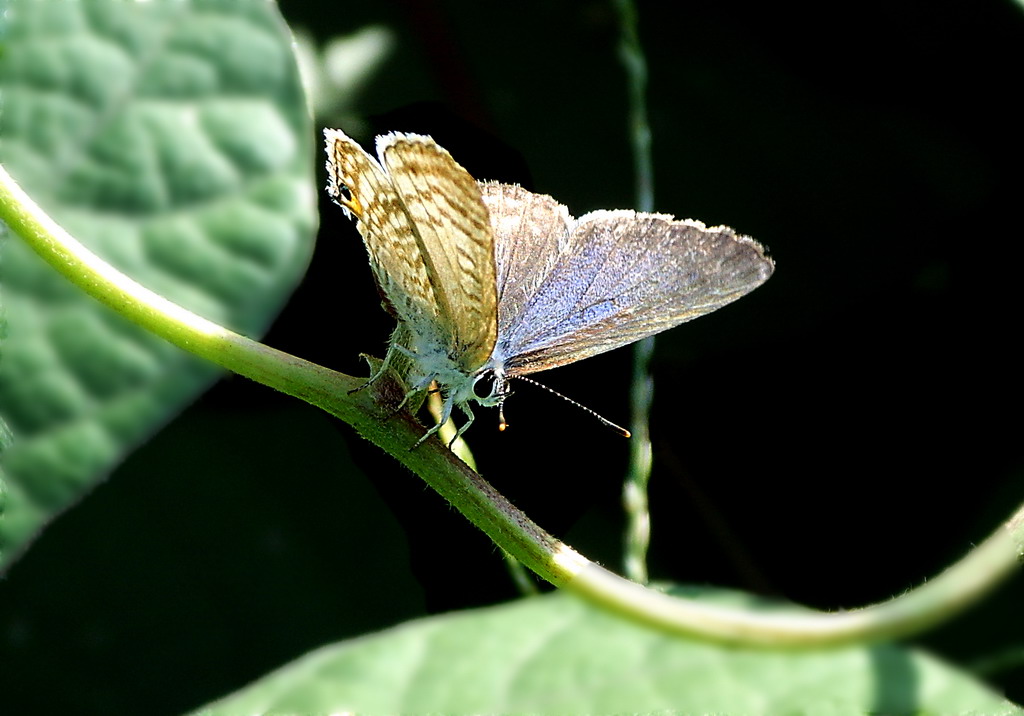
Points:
(361, 186)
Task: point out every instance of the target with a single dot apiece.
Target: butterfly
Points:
(490, 281)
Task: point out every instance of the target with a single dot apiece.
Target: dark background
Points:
(836, 438)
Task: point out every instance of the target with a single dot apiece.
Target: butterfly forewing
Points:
(531, 233)
(620, 277)
(357, 181)
(454, 231)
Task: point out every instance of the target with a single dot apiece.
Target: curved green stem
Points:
(960, 586)
(370, 413)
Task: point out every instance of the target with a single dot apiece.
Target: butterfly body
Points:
(491, 280)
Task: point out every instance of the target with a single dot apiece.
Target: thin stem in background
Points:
(1009, 659)
(634, 492)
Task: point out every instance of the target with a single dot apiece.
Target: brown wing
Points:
(453, 229)
(359, 184)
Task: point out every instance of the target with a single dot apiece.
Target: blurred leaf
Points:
(173, 140)
(336, 76)
(556, 654)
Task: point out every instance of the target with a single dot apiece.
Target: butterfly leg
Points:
(385, 364)
(395, 348)
(469, 421)
(421, 386)
(446, 413)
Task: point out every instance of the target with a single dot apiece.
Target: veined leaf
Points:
(557, 654)
(172, 139)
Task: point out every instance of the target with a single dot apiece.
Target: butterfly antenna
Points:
(605, 421)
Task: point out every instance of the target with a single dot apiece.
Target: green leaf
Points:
(556, 654)
(173, 139)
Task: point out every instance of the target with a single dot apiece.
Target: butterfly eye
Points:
(489, 389)
(484, 386)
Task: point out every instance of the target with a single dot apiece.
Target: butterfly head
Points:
(490, 387)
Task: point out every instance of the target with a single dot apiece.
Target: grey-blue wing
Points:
(572, 289)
